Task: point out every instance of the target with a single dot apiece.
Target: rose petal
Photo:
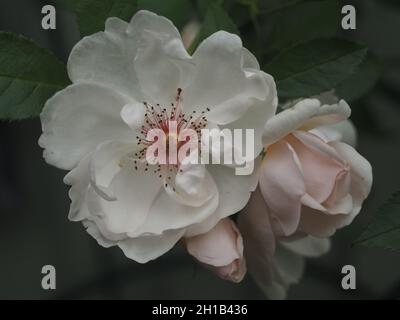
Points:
(305, 115)
(319, 167)
(79, 180)
(219, 64)
(106, 161)
(77, 119)
(219, 247)
(135, 192)
(162, 64)
(282, 186)
(106, 58)
(167, 214)
(146, 248)
(344, 131)
(234, 193)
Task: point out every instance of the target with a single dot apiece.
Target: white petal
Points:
(190, 178)
(249, 60)
(344, 131)
(289, 120)
(162, 63)
(221, 82)
(116, 25)
(230, 148)
(234, 193)
(167, 214)
(94, 231)
(329, 114)
(133, 115)
(96, 227)
(305, 115)
(106, 162)
(256, 117)
(77, 119)
(107, 58)
(79, 180)
(142, 249)
(145, 20)
(146, 248)
(135, 191)
(193, 186)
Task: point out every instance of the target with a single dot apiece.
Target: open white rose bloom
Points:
(123, 81)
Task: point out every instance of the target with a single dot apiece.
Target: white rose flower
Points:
(90, 128)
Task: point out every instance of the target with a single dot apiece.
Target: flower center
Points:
(172, 122)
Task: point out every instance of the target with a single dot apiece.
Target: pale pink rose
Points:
(311, 182)
(220, 250)
(275, 264)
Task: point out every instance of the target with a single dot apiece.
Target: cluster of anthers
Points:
(171, 122)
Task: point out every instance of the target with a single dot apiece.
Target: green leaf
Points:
(216, 19)
(29, 75)
(384, 231)
(176, 10)
(203, 5)
(92, 14)
(300, 22)
(314, 67)
(362, 81)
(253, 5)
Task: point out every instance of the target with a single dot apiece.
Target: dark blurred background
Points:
(34, 230)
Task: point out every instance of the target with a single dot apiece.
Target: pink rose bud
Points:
(220, 250)
(311, 182)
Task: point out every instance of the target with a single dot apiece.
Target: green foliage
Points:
(300, 21)
(362, 81)
(384, 231)
(314, 67)
(216, 19)
(29, 75)
(176, 10)
(252, 6)
(203, 5)
(92, 14)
